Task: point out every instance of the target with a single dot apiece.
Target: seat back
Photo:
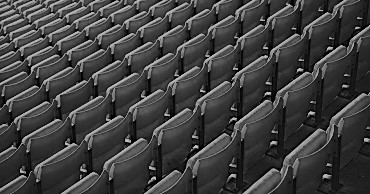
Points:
(210, 166)
(46, 141)
(127, 92)
(106, 141)
(125, 45)
(252, 44)
(349, 10)
(61, 170)
(175, 139)
(88, 117)
(319, 32)
(186, 89)
(74, 97)
(11, 161)
(131, 174)
(297, 96)
(162, 71)
(216, 110)
(148, 114)
(21, 185)
(220, 66)
(252, 79)
(256, 127)
(309, 162)
(352, 121)
(288, 54)
(334, 66)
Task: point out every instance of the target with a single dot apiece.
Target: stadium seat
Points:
(186, 89)
(162, 71)
(61, 33)
(309, 11)
(255, 128)
(88, 117)
(12, 160)
(297, 96)
(74, 97)
(76, 14)
(45, 20)
(82, 51)
(142, 56)
(334, 65)
(21, 185)
(14, 79)
(61, 170)
(250, 14)
(92, 183)
(216, 111)
(45, 141)
(13, 89)
(108, 76)
(169, 41)
(148, 114)
(94, 29)
(61, 81)
(282, 23)
(53, 26)
(50, 60)
(193, 52)
(41, 55)
(225, 8)
(129, 169)
(152, 30)
(45, 71)
(200, 22)
(309, 160)
(275, 6)
(175, 140)
(287, 55)
(71, 41)
(14, 67)
(252, 79)
(62, 12)
(125, 45)
(26, 100)
(121, 15)
(273, 182)
(40, 13)
(210, 166)
(8, 134)
(27, 38)
(162, 7)
(319, 31)
(106, 141)
(135, 22)
(252, 44)
(175, 182)
(94, 62)
(351, 123)
(111, 35)
(35, 118)
(220, 66)
(180, 14)
(112, 7)
(34, 46)
(360, 43)
(127, 92)
(97, 4)
(144, 5)
(349, 11)
(224, 33)
(86, 20)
